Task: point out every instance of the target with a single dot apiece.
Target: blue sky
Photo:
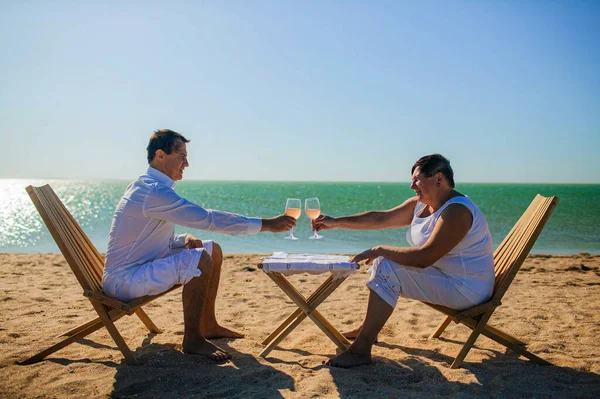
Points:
(311, 90)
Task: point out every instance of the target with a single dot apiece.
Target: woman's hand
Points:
(369, 255)
(323, 222)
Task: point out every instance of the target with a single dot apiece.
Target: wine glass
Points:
(312, 207)
(293, 209)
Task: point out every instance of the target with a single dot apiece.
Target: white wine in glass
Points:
(312, 207)
(293, 209)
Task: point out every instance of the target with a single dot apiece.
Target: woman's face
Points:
(424, 187)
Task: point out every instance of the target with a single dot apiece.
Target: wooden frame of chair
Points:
(306, 308)
(508, 258)
(87, 266)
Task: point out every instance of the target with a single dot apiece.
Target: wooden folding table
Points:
(280, 264)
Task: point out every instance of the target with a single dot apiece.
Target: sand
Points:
(553, 305)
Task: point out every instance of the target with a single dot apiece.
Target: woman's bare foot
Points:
(349, 359)
(200, 346)
(216, 331)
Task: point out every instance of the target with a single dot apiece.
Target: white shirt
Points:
(143, 227)
(471, 262)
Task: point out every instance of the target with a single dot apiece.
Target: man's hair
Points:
(429, 165)
(163, 139)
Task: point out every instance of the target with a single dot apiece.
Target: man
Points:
(145, 257)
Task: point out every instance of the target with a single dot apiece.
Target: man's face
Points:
(175, 162)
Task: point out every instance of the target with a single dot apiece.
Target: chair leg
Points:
(65, 342)
(115, 314)
(73, 335)
(441, 327)
(82, 327)
(504, 335)
(479, 328)
(147, 322)
(516, 348)
(114, 333)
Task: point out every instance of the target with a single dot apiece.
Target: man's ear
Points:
(159, 155)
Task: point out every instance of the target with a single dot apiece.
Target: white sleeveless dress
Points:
(462, 278)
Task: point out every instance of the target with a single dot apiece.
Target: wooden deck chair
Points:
(87, 265)
(508, 258)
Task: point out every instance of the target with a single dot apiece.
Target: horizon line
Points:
(289, 181)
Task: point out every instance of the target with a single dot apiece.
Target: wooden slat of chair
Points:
(95, 259)
(502, 255)
(90, 259)
(86, 263)
(530, 235)
(530, 219)
(49, 218)
(69, 231)
(82, 248)
(508, 258)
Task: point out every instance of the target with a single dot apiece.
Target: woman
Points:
(450, 260)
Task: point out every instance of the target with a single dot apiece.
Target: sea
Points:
(573, 228)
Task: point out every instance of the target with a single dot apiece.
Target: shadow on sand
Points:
(427, 373)
(165, 372)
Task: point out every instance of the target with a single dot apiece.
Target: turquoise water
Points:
(573, 228)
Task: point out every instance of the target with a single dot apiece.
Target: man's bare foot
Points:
(216, 331)
(349, 359)
(352, 334)
(200, 346)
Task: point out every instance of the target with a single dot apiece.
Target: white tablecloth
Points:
(288, 264)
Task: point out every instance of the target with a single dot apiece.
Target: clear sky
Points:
(302, 90)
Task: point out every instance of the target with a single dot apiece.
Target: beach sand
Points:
(553, 305)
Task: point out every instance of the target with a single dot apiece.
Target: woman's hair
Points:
(163, 139)
(429, 165)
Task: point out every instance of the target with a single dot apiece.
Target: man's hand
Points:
(192, 242)
(278, 224)
(323, 222)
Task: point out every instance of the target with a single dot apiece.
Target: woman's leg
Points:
(359, 353)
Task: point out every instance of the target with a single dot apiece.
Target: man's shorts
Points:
(390, 280)
(157, 276)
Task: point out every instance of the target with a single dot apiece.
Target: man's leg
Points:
(359, 353)
(210, 327)
(194, 298)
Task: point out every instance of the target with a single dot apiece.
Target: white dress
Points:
(462, 278)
